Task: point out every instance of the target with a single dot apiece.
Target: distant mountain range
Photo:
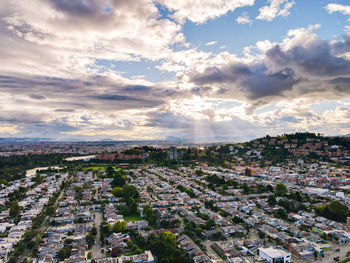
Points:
(25, 140)
(175, 140)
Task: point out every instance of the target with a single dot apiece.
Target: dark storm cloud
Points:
(315, 68)
(340, 47)
(137, 88)
(78, 7)
(256, 80)
(230, 73)
(21, 116)
(97, 93)
(37, 97)
(64, 110)
(315, 59)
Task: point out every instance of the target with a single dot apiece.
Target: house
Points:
(275, 255)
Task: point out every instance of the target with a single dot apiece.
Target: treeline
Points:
(334, 210)
(14, 167)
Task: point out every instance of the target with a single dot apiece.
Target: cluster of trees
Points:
(66, 251)
(119, 176)
(187, 191)
(14, 167)
(281, 189)
(291, 202)
(334, 211)
(149, 215)
(275, 155)
(78, 193)
(130, 196)
(165, 249)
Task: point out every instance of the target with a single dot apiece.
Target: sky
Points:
(199, 70)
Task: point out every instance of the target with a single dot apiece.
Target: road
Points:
(330, 254)
(96, 248)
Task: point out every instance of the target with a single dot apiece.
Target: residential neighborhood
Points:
(295, 210)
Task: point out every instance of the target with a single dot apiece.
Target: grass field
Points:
(95, 168)
(132, 218)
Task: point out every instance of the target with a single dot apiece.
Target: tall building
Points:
(172, 153)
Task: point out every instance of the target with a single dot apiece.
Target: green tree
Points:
(51, 211)
(110, 172)
(119, 226)
(118, 180)
(149, 214)
(64, 253)
(281, 189)
(272, 200)
(15, 210)
(117, 191)
(130, 191)
(335, 211)
(90, 239)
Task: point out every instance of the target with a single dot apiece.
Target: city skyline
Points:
(201, 71)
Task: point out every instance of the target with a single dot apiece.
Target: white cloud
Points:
(9, 129)
(200, 11)
(244, 19)
(70, 36)
(276, 8)
(211, 43)
(344, 9)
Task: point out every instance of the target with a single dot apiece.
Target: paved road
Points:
(330, 254)
(96, 249)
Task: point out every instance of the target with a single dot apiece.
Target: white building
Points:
(275, 255)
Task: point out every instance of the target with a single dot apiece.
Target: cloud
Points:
(188, 129)
(8, 130)
(211, 43)
(200, 11)
(301, 65)
(332, 8)
(52, 83)
(71, 35)
(276, 8)
(244, 19)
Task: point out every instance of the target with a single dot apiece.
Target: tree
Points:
(110, 172)
(269, 188)
(165, 249)
(272, 200)
(130, 191)
(94, 230)
(149, 214)
(335, 211)
(119, 179)
(90, 239)
(51, 211)
(119, 226)
(199, 172)
(281, 189)
(246, 189)
(117, 191)
(169, 239)
(64, 253)
(15, 210)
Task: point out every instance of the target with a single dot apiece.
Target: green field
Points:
(132, 218)
(95, 168)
